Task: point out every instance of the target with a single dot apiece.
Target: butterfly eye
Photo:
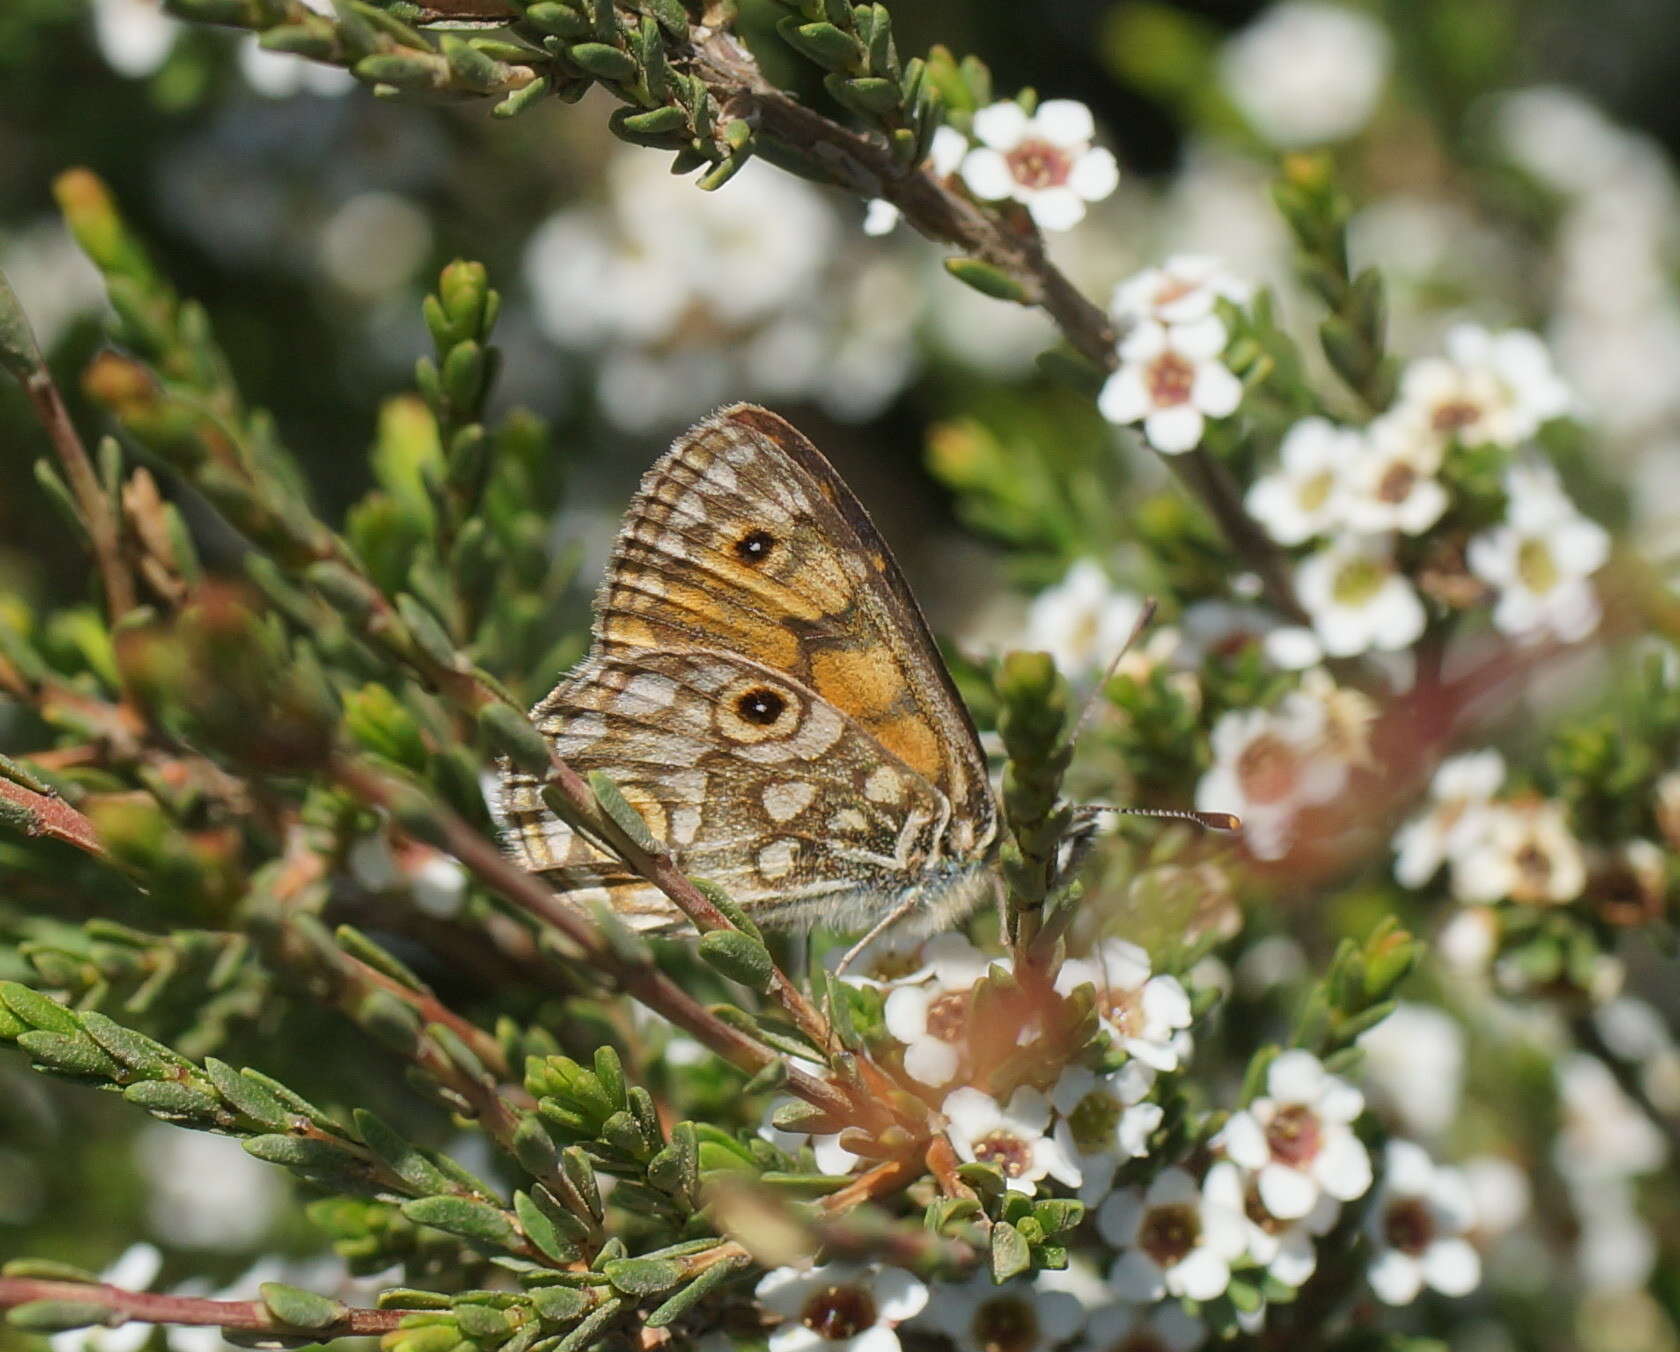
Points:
(761, 706)
(754, 547)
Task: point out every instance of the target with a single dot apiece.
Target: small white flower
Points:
(1181, 290)
(893, 959)
(1171, 380)
(1146, 1015)
(1012, 1137)
(1102, 1121)
(1175, 1240)
(135, 37)
(840, 1307)
(1392, 483)
(1461, 788)
(1083, 620)
(1540, 560)
(1306, 73)
(1044, 161)
(1496, 388)
(945, 156)
(1414, 1066)
(1307, 494)
(1417, 1226)
(1269, 765)
(1358, 600)
(1524, 852)
(1298, 1137)
(1285, 1248)
(1121, 1327)
(931, 1017)
(1022, 1315)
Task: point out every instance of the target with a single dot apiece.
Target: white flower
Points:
(1083, 620)
(1414, 1066)
(205, 1192)
(1539, 560)
(1496, 388)
(1461, 788)
(831, 1157)
(135, 1269)
(135, 37)
(1298, 1137)
(1171, 380)
(280, 75)
(1175, 1240)
(1101, 1121)
(1269, 765)
(1181, 290)
(945, 156)
(1221, 628)
(1044, 161)
(1392, 483)
(1022, 1315)
(1307, 494)
(1468, 940)
(931, 1018)
(1305, 73)
(1524, 852)
(1285, 1248)
(1417, 1226)
(840, 1307)
(1011, 1137)
(895, 958)
(1358, 600)
(1604, 1136)
(1121, 1327)
(1147, 1015)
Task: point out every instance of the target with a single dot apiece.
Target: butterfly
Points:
(763, 689)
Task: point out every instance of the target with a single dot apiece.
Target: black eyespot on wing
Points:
(762, 706)
(754, 547)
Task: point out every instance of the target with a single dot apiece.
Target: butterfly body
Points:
(764, 691)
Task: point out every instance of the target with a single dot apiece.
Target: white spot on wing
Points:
(883, 785)
(719, 473)
(648, 691)
(579, 733)
(787, 798)
(775, 860)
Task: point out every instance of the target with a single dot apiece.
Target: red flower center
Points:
(1295, 1134)
(840, 1312)
(1038, 164)
(1268, 769)
(1006, 1150)
(1005, 1324)
(1408, 1226)
(1170, 380)
(947, 1015)
(1168, 1233)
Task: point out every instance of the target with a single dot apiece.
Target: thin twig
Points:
(156, 1307)
(42, 814)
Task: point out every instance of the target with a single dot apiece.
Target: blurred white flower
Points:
(1146, 1015)
(1045, 160)
(1298, 1137)
(1614, 1248)
(1460, 789)
(1358, 600)
(374, 243)
(1083, 620)
(1604, 1135)
(840, 1307)
(945, 155)
(135, 1269)
(1392, 483)
(1414, 1067)
(1561, 138)
(1307, 494)
(1539, 561)
(930, 1017)
(1305, 73)
(1468, 940)
(895, 958)
(1181, 290)
(1022, 1315)
(1102, 1121)
(1489, 387)
(1500, 1195)
(1014, 1136)
(1171, 380)
(1286, 1248)
(1122, 1327)
(281, 75)
(135, 36)
(1523, 852)
(54, 281)
(1225, 629)
(1269, 765)
(205, 1191)
(1417, 1226)
(1175, 1240)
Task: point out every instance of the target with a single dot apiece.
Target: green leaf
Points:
(37, 1010)
(1011, 1255)
(478, 1222)
(541, 1231)
(301, 1152)
(135, 1050)
(246, 1096)
(508, 732)
(400, 1155)
(301, 1309)
(740, 957)
(644, 1276)
(55, 1316)
(692, 1294)
(602, 61)
(69, 1054)
(19, 352)
(47, 1270)
(175, 1101)
(987, 279)
(559, 1304)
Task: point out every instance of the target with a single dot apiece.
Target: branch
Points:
(45, 814)
(245, 1316)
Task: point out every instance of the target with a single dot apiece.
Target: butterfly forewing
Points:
(765, 691)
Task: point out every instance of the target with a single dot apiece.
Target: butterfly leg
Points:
(892, 917)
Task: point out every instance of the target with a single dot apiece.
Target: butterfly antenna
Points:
(1214, 821)
(1146, 617)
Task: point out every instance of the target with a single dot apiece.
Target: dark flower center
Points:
(1295, 1134)
(1170, 380)
(1268, 770)
(947, 1015)
(1038, 164)
(1534, 866)
(840, 1312)
(1168, 1233)
(1397, 482)
(1093, 1121)
(1408, 1226)
(1007, 1151)
(1454, 416)
(1005, 1324)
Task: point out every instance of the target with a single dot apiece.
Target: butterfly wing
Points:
(744, 556)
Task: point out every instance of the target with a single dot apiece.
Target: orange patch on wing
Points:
(864, 683)
(913, 742)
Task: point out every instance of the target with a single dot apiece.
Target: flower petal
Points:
(1002, 125)
(1056, 208)
(1287, 1193)
(1095, 174)
(1064, 122)
(1173, 431)
(1124, 398)
(1134, 1277)
(1201, 1276)
(987, 175)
